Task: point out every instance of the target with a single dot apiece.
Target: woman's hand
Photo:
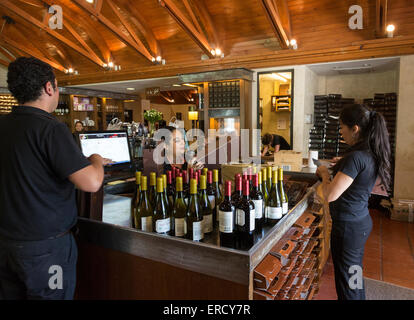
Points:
(323, 172)
(334, 161)
(195, 165)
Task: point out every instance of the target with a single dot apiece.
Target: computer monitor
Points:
(112, 145)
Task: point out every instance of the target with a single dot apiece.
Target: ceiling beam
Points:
(187, 26)
(16, 10)
(17, 45)
(145, 30)
(116, 9)
(7, 54)
(4, 62)
(274, 13)
(95, 37)
(192, 15)
(202, 12)
(112, 27)
(381, 18)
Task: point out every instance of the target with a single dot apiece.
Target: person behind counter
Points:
(175, 147)
(274, 141)
(354, 178)
(40, 165)
(78, 130)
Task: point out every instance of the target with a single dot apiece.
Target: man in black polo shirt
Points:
(274, 141)
(40, 165)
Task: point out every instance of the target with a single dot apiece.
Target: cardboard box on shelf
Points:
(288, 160)
(228, 171)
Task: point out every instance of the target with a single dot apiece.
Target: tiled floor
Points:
(389, 256)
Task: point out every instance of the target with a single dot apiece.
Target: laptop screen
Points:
(112, 145)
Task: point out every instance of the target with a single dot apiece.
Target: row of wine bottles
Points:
(190, 210)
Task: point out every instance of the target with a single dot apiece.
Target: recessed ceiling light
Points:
(130, 89)
(89, 1)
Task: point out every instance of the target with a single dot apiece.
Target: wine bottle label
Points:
(240, 218)
(208, 223)
(198, 230)
(179, 227)
(146, 224)
(252, 219)
(212, 200)
(285, 208)
(258, 208)
(226, 221)
(162, 225)
(274, 212)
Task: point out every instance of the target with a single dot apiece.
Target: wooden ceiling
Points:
(250, 33)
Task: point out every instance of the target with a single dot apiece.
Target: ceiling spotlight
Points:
(89, 1)
(218, 52)
(159, 59)
(110, 64)
(163, 61)
(213, 52)
(153, 59)
(390, 30)
(105, 65)
(293, 44)
(70, 70)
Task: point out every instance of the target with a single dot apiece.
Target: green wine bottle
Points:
(218, 196)
(152, 189)
(180, 210)
(194, 215)
(205, 206)
(274, 203)
(161, 221)
(144, 211)
(136, 198)
(283, 195)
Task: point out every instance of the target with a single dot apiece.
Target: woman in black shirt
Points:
(355, 175)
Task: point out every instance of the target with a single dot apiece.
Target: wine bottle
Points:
(205, 171)
(274, 204)
(144, 210)
(170, 188)
(169, 204)
(211, 194)
(136, 198)
(186, 187)
(180, 210)
(283, 196)
(161, 220)
(152, 189)
(264, 184)
(218, 195)
(194, 220)
(205, 205)
(258, 200)
(245, 218)
(237, 194)
(269, 178)
(227, 215)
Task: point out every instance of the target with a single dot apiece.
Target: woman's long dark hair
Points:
(373, 136)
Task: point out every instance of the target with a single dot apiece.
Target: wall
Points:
(404, 155)
(359, 86)
(3, 76)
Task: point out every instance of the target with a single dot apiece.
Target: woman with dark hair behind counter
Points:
(355, 175)
(175, 148)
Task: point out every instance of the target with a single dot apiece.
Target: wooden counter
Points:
(118, 262)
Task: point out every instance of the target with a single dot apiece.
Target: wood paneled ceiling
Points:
(250, 33)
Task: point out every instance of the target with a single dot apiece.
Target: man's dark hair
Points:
(267, 139)
(27, 77)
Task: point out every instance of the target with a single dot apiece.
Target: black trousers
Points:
(348, 240)
(38, 270)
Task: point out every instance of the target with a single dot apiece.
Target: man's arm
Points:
(265, 149)
(277, 148)
(90, 178)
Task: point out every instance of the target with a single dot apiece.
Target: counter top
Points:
(204, 257)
